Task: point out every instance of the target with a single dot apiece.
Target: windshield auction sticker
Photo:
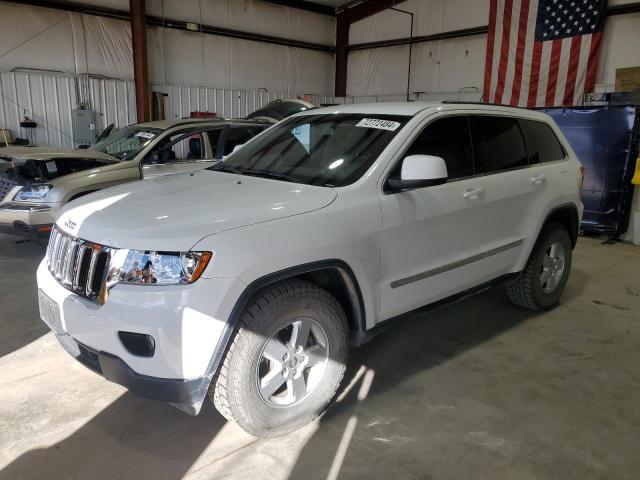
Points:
(379, 124)
(146, 135)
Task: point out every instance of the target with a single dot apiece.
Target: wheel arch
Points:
(334, 275)
(566, 215)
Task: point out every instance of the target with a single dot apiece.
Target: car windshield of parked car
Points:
(329, 150)
(125, 144)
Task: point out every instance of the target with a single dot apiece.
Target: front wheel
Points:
(285, 361)
(540, 285)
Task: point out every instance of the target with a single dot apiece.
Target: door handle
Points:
(538, 179)
(473, 193)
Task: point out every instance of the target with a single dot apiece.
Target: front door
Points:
(430, 234)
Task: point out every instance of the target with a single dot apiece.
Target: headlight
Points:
(33, 192)
(144, 267)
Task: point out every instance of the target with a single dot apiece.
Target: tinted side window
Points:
(214, 138)
(542, 143)
(447, 138)
(238, 136)
(498, 144)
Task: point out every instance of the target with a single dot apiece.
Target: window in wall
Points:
(542, 144)
(498, 144)
(447, 138)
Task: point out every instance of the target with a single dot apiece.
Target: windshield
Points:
(125, 144)
(330, 150)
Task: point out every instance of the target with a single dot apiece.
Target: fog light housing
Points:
(138, 344)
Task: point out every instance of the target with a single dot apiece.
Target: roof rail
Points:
(461, 102)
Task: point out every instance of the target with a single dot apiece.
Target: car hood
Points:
(175, 212)
(47, 153)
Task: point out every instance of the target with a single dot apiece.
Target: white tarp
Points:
(454, 68)
(42, 38)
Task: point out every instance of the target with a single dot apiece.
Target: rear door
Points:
(510, 191)
(552, 174)
(181, 152)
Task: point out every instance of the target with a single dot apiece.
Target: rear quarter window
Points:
(542, 144)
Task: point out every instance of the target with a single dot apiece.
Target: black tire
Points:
(526, 290)
(236, 394)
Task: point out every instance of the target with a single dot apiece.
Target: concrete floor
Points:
(478, 389)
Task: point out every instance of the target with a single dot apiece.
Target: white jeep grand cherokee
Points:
(250, 280)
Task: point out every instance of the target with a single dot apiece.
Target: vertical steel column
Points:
(140, 70)
(342, 44)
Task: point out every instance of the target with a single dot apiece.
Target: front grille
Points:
(5, 187)
(78, 265)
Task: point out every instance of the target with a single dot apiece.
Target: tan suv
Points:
(39, 181)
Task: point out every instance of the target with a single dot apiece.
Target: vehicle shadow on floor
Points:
(131, 438)
(19, 316)
(387, 410)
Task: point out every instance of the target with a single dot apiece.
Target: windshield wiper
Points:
(225, 167)
(270, 174)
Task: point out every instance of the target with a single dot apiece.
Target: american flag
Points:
(542, 52)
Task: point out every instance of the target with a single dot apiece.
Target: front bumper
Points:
(187, 323)
(184, 394)
(25, 219)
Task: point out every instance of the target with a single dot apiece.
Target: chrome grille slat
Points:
(69, 264)
(58, 256)
(78, 265)
(65, 258)
(90, 275)
(78, 278)
(52, 240)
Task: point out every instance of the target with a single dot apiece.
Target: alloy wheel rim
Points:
(292, 362)
(552, 270)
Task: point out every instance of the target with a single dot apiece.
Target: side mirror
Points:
(237, 147)
(419, 171)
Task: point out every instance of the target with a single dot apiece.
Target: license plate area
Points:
(50, 313)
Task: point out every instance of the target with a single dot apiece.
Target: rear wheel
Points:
(540, 285)
(285, 361)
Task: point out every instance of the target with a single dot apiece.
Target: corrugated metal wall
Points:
(49, 100)
(182, 100)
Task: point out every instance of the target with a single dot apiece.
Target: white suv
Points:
(250, 280)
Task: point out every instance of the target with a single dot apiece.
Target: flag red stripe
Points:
(490, 41)
(592, 66)
(572, 73)
(522, 37)
(504, 50)
(556, 48)
(536, 58)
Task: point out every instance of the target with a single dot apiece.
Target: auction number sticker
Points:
(146, 135)
(379, 124)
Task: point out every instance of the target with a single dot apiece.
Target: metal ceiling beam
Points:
(421, 38)
(305, 5)
(366, 8)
